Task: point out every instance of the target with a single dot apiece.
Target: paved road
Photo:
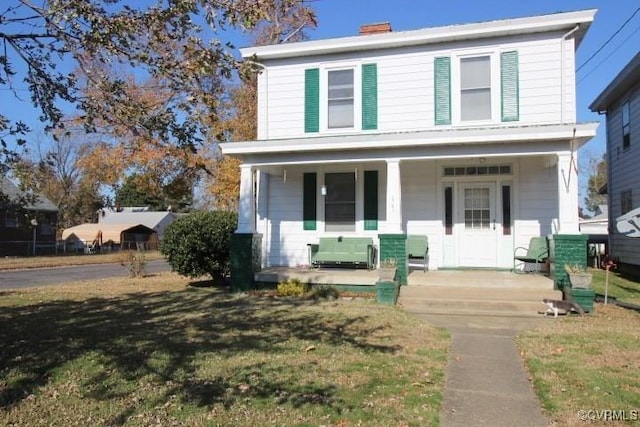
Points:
(16, 279)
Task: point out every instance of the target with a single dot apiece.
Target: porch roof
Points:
(578, 133)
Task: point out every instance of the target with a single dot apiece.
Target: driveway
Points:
(17, 279)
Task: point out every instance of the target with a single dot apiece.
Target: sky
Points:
(339, 18)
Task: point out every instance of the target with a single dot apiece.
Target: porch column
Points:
(568, 193)
(246, 244)
(246, 207)
(393, 223)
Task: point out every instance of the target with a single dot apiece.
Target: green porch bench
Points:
(418, 248)
(342, 250)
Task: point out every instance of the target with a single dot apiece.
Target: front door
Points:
(476, 223)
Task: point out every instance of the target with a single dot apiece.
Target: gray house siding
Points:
(624, 173)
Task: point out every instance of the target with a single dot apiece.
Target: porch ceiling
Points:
(441, 143)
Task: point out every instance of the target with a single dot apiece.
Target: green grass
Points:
(621, 287)
(585, 363)
(156, 351)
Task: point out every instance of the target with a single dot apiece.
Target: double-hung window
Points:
(478, 87)
(341, 97)
(626, 125)
(340, 106)
(475, 88)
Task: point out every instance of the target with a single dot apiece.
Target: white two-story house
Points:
(464, 133)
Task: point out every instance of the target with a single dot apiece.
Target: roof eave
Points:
(626, 78)
(528, 25)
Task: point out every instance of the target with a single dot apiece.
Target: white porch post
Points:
(393, 222)
(246, 207)
(568, 193)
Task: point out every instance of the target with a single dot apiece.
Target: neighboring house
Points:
(90, 237)
(155, 220)
(27, 222)
(464, 133)
(598, 224)
(620, 101)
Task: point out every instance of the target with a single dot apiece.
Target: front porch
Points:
(478, 279)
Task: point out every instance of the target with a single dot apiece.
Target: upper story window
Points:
(340, 99)
(475, 88)
(626, 125)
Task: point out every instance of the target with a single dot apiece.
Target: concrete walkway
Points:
(486, 384)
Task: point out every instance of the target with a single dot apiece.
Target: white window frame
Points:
(456, 98)
(357, 97)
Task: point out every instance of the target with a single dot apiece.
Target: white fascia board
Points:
(580, 132)
(498, 28)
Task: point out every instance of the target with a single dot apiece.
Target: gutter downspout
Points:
(562, 66)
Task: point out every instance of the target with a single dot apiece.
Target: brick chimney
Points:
(377, 28)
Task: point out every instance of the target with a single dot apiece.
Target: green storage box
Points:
(584, 297)
(387, 292)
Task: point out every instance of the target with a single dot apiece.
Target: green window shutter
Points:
(312, 100)
(369, 96)
(509, 86)
(370, 200)
(442, 90)
(309, 201)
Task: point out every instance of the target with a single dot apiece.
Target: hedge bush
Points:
(200, 243)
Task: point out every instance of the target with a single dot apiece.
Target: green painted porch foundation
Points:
(394, 246)
(246, 260)
(566, 249)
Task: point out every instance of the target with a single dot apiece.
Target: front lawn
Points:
(620, 287)
(588, 363)
(156, 351)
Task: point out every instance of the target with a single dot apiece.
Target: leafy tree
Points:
(200, 243)
(55, 173)
(177, 43)
(142, 190)
(288, 21)
(597, 180)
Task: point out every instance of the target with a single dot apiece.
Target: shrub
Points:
(200, 243)
(134, 261)
(292, 288)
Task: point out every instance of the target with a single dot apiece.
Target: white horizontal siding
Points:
(405, 84)
(536, 198)
(420, 207)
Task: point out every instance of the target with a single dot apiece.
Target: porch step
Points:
(449, 300)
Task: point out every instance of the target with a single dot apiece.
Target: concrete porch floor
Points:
(436, 278)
